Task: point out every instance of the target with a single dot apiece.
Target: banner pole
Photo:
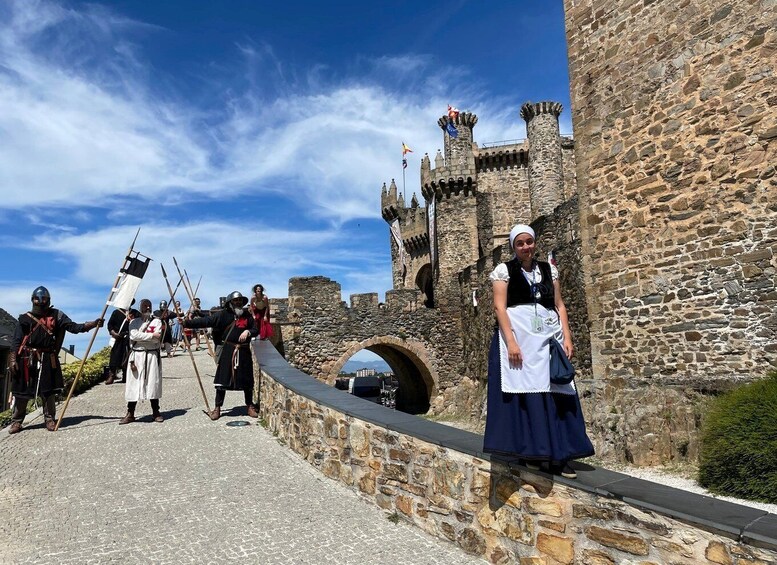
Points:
(94, 334)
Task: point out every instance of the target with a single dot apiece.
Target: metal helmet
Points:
(163, 305)
(41, 296)
(238, 297)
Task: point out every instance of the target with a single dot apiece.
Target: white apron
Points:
(534, 374)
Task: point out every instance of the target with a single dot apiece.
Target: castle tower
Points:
(458, 150)
(415, 241)
(546, 175)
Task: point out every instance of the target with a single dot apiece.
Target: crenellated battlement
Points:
(322, 293)
(504, 157)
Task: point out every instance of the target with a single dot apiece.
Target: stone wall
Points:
(422, 345)
(568, 165)
(489, 509)
(503, 183)
(675, 130)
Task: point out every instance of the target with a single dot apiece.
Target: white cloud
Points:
(91, 129)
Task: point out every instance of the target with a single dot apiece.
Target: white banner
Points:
(398, 240)
(129, 281)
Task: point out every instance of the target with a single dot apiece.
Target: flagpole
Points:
(191, 300)
(185, 339)
(94, 334)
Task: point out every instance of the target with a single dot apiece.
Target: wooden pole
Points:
(94, 335)
(187, 288)
(185, 339)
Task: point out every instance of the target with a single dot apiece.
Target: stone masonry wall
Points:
(484, 507)
(502, 183)
(676, 138)
(568, 166)
(323, 332)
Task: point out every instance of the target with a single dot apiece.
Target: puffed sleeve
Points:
(553, 272)
(500, 273)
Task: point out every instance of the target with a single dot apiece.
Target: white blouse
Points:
(502, 274)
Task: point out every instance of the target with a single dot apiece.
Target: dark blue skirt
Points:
(539, 426)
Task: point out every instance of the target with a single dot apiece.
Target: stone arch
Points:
(410, 363)
(424, 281)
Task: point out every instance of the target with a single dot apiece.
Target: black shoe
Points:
(568, 472)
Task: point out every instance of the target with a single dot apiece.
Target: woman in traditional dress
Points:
(260, 308)
(529, 416)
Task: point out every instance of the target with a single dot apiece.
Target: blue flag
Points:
(451, 129)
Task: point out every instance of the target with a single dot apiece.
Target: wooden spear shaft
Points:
(94, 334)
(191, 295)
(185, 339)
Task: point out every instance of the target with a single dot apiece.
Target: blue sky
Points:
(248, 139)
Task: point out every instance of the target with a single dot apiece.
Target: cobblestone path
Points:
(184, 491)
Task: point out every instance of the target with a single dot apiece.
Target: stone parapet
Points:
(365, 300)
(438, 479)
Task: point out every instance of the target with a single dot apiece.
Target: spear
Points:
(94, 334)
(198, 284)
(185, 339)
(188, 290)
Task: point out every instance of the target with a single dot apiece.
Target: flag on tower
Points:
(404, 163)
(405, 149)
(453, 113)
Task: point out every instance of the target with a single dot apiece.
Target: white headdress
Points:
(519, 229)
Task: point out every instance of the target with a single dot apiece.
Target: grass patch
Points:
(739, 442)
(393, 518)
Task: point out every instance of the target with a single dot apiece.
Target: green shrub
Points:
(739, 442)
(91, 375)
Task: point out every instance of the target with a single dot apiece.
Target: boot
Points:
(215, 414)
(111, 378)
(51, 425)
(252, 413)
(128, 419)
(16, 427)
(158, 417)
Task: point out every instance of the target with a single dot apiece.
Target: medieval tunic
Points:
(527, 414)
(235, 370)
(119, 323)
(40, 354)
(144, 375)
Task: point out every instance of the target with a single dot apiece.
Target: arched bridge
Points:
(319, 333)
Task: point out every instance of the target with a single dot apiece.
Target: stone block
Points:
(395, 472)
(560, 549)
(624, 542)
(471, 541)
(542, 506)
(596, 557)
(716, 552)
(404, 504)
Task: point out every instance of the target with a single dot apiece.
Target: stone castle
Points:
(661, 213)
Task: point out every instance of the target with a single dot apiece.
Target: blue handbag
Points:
(561, 370)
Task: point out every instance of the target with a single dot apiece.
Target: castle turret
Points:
(453, 183)
(388, 202)
(546, 175)
(458, 150)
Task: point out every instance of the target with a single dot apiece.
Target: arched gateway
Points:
(319, 333)
(410, 364)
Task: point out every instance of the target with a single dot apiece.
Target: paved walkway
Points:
(185, 491)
